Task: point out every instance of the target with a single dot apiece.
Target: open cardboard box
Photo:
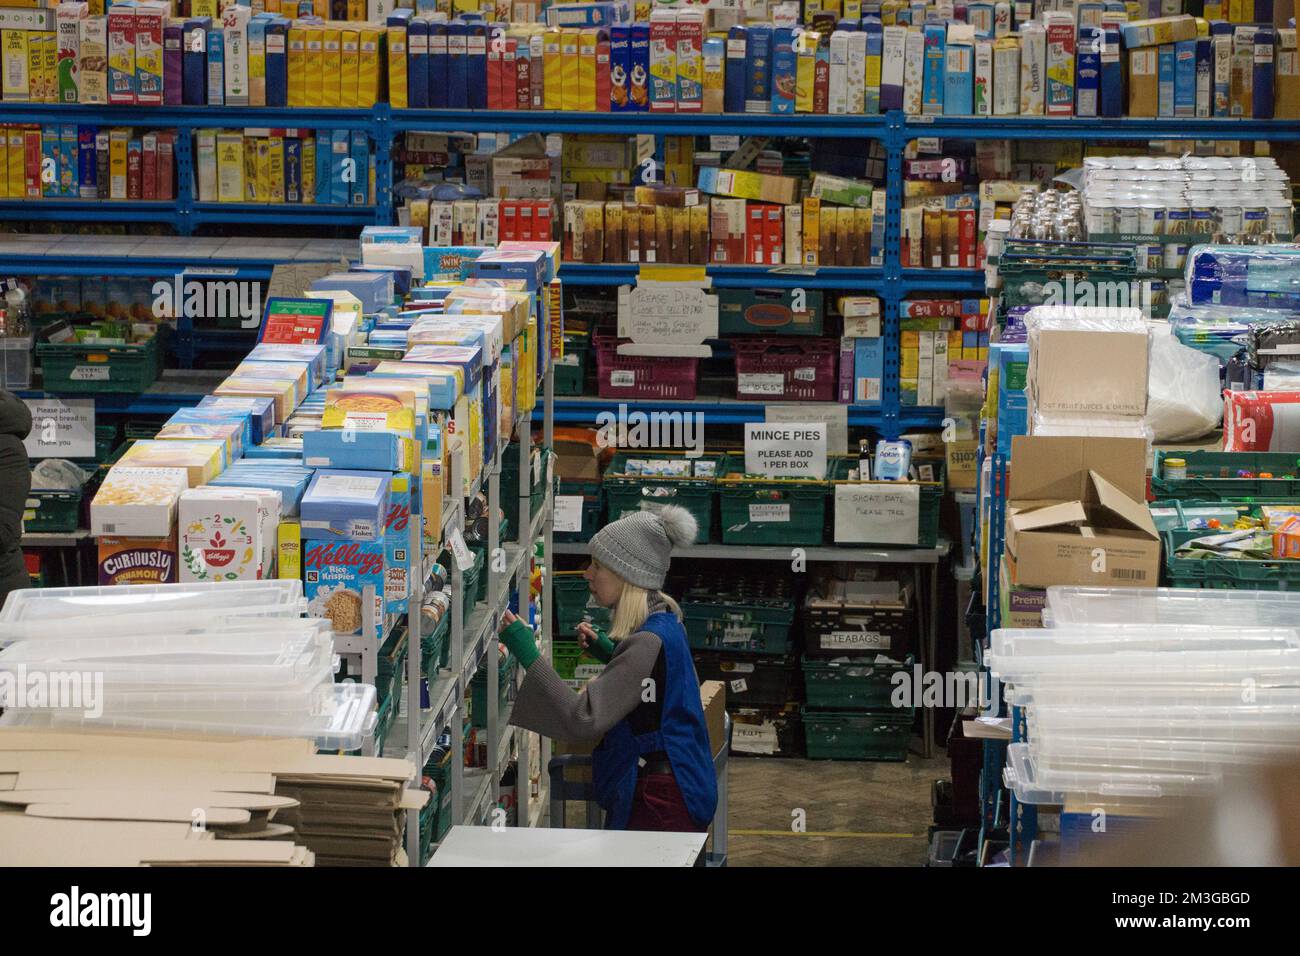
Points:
(1077, 514)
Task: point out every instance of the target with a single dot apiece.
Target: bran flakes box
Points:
(336, 575)
(137, 560)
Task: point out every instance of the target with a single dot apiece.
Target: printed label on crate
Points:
(622, 379)
(786, 451)
(805, 374)
(754, 738)
(769, 513)
(735, 634)
(568, 513)
(90, 373)
(760, 383)
(584, 672)
(61, 428)
(724, 144)
(855, 641)
(739, 686)
(877, 513)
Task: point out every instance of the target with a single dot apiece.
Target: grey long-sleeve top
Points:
(548, 706)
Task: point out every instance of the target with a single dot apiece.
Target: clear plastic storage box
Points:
(1080, 605)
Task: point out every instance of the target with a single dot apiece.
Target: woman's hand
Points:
(507, 618)
(595, 642)
(586, 635)
(519, 638)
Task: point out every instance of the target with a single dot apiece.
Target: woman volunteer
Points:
(653, 769)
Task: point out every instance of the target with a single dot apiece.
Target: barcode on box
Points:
(108, 529)
(1128, 574)
(622, 379)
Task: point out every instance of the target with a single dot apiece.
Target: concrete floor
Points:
(856, 814)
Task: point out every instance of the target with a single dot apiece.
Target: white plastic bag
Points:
(1183, 391)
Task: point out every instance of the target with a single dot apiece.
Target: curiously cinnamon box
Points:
(137, 560)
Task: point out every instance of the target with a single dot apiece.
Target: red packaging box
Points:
(166, 171)
(494, 56)
(523, 77)
(774, 234)
(149, 187)
(966, 237)
(134, 170)
(755, 225)
(543, 221)
(32, 163)
(602, 71)
(930, 308)
(509, 220)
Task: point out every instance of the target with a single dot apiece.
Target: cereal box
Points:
(201, 460)
(397, 545)
(137, 501)
(219, 535)
(335, 577)
(346, 504)
(137, 560)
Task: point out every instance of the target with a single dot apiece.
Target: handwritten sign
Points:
(667, 313)
(568, 513)
(61, 428)
(877, 513)
(786, 450)
(834, 415)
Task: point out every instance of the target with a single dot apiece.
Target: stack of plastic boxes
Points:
(1133, 698)
(211, 658)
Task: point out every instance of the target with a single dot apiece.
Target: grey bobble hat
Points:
(637, 548)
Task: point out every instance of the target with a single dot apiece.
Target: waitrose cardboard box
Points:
(1077, 514)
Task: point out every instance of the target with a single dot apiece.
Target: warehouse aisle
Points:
(858, 814)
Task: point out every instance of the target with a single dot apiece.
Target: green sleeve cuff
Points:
(521, 641)
(602, 648)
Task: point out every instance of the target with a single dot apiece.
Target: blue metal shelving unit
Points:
(893, 130)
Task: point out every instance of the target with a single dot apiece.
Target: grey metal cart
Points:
(564, 789)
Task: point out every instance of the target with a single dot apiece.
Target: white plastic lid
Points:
(230, 597)
(1121, 638)
(1081, 605)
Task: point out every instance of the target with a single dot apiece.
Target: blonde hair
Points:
(633, 607)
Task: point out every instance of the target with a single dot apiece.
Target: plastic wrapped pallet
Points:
(1245, 276)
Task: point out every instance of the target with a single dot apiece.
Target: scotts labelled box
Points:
(1077, 513)
(770, 312)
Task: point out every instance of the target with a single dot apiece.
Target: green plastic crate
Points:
(1211, 475)
(574, 604)
(593, 501)
(1174, 514)
(841, 685)
(73, 367)
(628, 493)
(735, 626)
(1235, 573)
(931, 498)
(55, 511)
(571, 662)
(770, 511)
(510, 484)
(571, 368)
(864, 735)
(478, 688)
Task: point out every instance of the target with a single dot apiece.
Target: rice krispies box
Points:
(335, 576)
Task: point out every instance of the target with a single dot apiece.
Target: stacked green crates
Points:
(574, 665)
(846, 684)
(571, 367)
(538, 468)
(769, 511)
(575, 604)
(506, 669)
(628, 489)
(52, 512)
(857, 735)
(930, 496)
(1213, 476)
(737, 613)
(68, 367)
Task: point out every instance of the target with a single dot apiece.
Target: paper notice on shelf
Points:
(460, 550)
(834, 415)
(754, 738)
(786, 451)
(667, 313)
(878, 513)
(724, 144)
(568, 513)
(61, 428)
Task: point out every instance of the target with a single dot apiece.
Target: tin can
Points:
(1151, 219)
(1230, 220)
(1177, 220)
(1202, 220)
(1254, 220)
(1100, 217)
(1127, 218)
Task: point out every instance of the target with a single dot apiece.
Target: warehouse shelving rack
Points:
(891, 281)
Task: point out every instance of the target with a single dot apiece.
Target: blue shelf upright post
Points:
(890, 397)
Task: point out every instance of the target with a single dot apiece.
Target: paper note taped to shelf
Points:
(877, 513)
(568, 513)
(786, 450)
(61, 428)
(833, 414)
(459, 549)
(677, 313)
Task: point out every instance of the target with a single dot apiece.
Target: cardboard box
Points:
(1144, 82)
(1077, 513)
(1081, 372)
(962, 469)
(768, 312)
(137, 501)
(741, 184)
(1021, 606)
(137, 560)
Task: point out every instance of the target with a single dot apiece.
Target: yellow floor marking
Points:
(826, 833)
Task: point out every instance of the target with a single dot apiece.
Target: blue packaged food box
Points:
(336, 575)
(314, 356)
(449, 263)
(344, 448)
(345, 504)
(511, 264)
(260, 410)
